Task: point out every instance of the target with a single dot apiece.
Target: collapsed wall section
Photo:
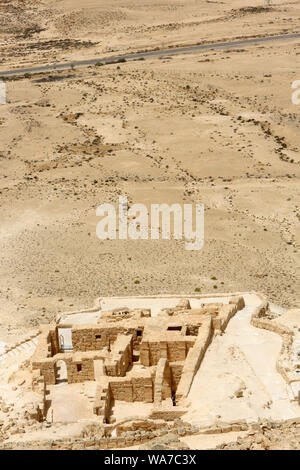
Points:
(121, 356)
(102, 403)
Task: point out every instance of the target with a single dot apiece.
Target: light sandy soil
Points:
(34, 31)
(217, 128)
(70, 403)
(204, 441)
(210, 441)
(238, 378)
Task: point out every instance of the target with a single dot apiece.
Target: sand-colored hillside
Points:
(42, 31)
(216, 127)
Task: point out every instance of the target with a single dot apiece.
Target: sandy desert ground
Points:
(216, 127)
(41, 31)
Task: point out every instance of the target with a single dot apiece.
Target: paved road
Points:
(145, 55)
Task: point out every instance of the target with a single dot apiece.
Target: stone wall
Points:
(80, 365)
(176, 371)
(169, 414)
(53, 339)
(128, 438)
(102, 402)
(121, 356)
(162, 383)
(47, 369)
(39, 387)
(95, 338)
(133, 389)
(80, 368)
(176, 349)
(44, 346)
(194, 359)
(225, 313)
(283, 364)
(238, 301)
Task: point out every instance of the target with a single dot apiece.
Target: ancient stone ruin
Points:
(153, 371)
(129, 356)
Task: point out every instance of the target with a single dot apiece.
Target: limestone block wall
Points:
(176, 371)
(38, 382)
(194, 359)
(238, 301)
(39, 386)
(192, 330)
(142, 389)
(138, 425)
(121, 390)
(94, 338)
(44, 346)
(80, 370)
(102, 402)
(283, 363)
(53, 339)
(178, 350)
(152, 350)
(134, 389)
(42, 357)
(162, 382)
(80, 367)
(121, 356)
(167, 414)
(47, 369)
(226, 312)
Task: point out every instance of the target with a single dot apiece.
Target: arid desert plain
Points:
(215, 126)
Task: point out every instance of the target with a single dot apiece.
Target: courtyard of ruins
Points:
(219, 363)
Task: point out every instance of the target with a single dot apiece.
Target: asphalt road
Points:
(145, 55)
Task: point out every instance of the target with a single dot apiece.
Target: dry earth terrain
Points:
(216, 127)
(34, 31)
